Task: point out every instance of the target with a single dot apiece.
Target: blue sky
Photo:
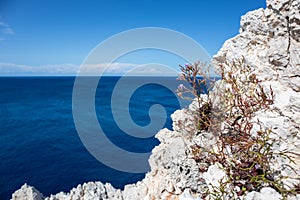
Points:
(55, 36)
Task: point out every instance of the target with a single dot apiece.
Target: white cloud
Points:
(12, 69)
(5, 29)
(107, 68)
(153, 70)
(128, 69)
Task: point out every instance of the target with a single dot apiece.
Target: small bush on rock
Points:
(198, 78)
(243, 145)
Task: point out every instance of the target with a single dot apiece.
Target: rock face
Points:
(269, 41)
(27, 192)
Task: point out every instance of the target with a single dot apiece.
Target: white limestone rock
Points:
(188, 195)
(87, 191)
(184, 122)
(27, 193)
(265, 194)
(214, 176)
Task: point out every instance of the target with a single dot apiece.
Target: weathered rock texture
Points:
(269, 41)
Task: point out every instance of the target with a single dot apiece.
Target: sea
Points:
(39, 143)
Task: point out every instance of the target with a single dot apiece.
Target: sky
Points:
(54, 37)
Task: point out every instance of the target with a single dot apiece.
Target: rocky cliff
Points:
(269, 41)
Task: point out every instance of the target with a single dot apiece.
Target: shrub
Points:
(245, 153)
(197, 76)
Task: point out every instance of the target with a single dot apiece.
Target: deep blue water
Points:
(39, 144)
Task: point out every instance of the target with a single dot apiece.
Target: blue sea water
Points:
(39, 144)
